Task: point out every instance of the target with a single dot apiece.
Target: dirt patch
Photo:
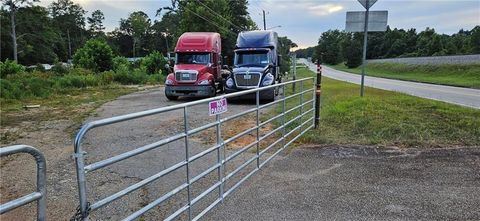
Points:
(49, 128)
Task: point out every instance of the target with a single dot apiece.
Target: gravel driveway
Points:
(105, 142)
(111, 140)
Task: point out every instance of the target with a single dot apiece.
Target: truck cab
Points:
(197, 69)
(256, 63)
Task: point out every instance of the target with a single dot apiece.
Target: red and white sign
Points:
(217, 107)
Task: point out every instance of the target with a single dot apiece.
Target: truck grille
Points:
(186, 76)
(247, 80)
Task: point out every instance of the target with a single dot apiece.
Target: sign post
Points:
(365, 36)
(357, 19)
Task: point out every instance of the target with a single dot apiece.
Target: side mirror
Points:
(209, 65)
(167, 66)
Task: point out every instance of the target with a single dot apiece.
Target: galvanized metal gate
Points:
(40, 195)
(299, 103)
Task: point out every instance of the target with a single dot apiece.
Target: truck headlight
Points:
(267, 80)
(204, 82)
(229, 82)
(168, 82)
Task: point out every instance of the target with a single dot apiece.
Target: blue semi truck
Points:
(256, 63)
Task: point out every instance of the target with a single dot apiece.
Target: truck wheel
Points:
(270, 96)
(172, 98)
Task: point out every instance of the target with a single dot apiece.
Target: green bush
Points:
(10, 68)
(40, 67)
(10, 90)
(80, 71)
(59, 69)
(96, 55)
(137, 76)
(78, 81)
(120, 62)
(154, 63)
(38, 87)
(107, 77)
(156, 79)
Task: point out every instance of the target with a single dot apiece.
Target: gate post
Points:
(318, 93)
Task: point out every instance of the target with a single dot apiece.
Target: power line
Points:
(258, 6)
(214, 12)
(211, 22)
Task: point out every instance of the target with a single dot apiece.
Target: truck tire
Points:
(269, 97)
(172, 98)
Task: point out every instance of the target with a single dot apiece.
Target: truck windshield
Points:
(251, 58)
(193, 58)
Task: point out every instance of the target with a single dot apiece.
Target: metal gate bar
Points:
(222, 159)
(41, 194)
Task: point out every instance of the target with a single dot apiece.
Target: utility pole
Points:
(264, 22)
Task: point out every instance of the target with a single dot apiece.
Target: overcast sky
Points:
(304, 20)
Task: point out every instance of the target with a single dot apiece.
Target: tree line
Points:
(32, 34)
(336, 46)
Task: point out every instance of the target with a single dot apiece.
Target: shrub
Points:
(78, 81)
(154, 62)
(38, 87)
(107, 77)
(136, 64)
(96, 55)
(40, 67)
(120, 62)
(137, 76)
(156, 78)
(10, 68)
(80, 71)
(10, 90)
(59, 69)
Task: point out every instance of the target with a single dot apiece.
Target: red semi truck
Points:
(198, 66)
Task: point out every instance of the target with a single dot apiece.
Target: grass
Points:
(448, 74)
(389, 118)
(74, 105)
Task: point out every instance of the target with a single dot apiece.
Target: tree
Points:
(37, 36)
(475, 40)
(353, 50)
(13, 6)
(164, 31)
(95, 55)
(137, 26)
(69, 18)
(207, 16)
(284, 46)
(96, 23)
(329, 46)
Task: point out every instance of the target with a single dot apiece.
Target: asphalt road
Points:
(455, 95)
(361, 183)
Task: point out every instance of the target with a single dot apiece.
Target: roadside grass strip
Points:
(388, 118)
